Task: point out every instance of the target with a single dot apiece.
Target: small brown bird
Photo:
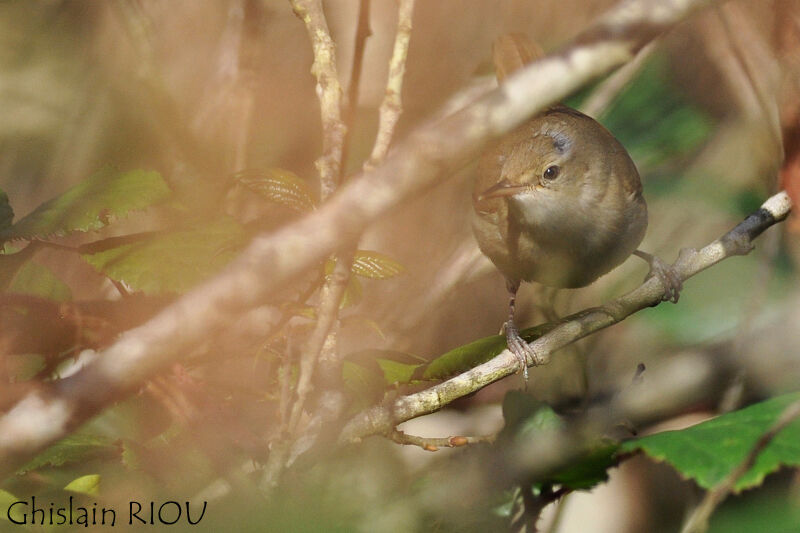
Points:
(557, 201)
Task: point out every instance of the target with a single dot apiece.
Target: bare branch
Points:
(329, 92)
(273, 260)
(432, 444)
(738, 241)
(327, 314)
(698, 520)
(392, 105)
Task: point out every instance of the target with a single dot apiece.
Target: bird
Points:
(557, 201)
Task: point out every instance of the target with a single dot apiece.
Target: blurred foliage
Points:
(38, 280)
(170, 262)
(655, 121)
(772, 510)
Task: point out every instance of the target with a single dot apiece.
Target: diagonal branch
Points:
(274, 260)
(382, 419)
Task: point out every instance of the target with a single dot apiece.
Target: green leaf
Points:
(396, 372)
(526, 417)
(90, 204)
(368, 373)
(6, 213)
(170, 262)
(73, 449)
(89, 485)
(709, 451)
(365, 386)
(591, 469)
(38, 280)
(17, 512)
(374, 265)
(10, 263)
(279, 186)
(750, 512)
(470, 355)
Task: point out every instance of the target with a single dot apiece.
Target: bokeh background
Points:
(200, 90)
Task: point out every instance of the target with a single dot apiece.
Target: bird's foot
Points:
(673, 284)
(523, 351)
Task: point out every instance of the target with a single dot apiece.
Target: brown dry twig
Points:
(432, 444)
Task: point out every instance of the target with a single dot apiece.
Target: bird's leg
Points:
(671, 280)
(521, 349)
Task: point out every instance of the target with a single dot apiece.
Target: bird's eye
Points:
(551, 172)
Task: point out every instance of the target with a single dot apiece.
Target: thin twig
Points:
(738, 241)
(392, 105)
(327, 313)
(433, 444)
(330, 167)
(698, 520)
(363, 31)
(329, 92)
(273, 260)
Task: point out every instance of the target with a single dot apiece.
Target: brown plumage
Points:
(557, 201)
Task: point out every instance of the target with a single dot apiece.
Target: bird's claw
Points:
(673, 284)
(523, 351)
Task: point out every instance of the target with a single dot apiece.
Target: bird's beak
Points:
(500, 189)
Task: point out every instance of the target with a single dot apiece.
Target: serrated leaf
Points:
(89, 485)
(90, 204)
(17, 513)
(173, 262)
(73, 449)
(6, 213)
(279, 186)
(38, 280)
(709, 451)
(374, 265)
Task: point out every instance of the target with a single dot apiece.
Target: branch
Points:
(329, 92)
(392, 105)
(432, 444)
(327, 314)
(382, 419)
(698, 521)
(272, 261)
